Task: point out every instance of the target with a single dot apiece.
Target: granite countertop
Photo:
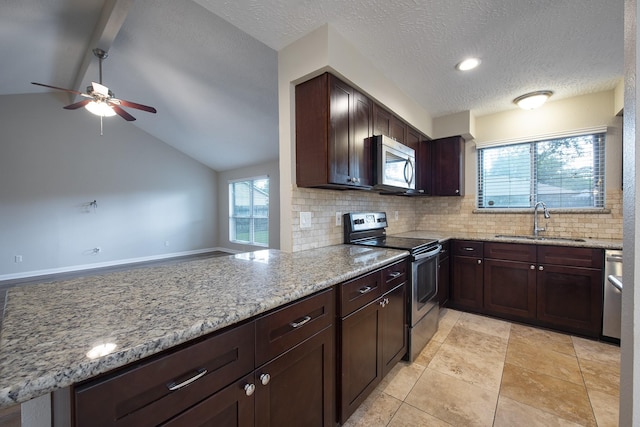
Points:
(48, 329)
(542, 240)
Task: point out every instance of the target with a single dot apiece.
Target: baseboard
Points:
(5, 279)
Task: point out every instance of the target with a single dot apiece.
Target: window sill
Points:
(529, 211)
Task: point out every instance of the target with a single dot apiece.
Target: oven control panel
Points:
(364, 221)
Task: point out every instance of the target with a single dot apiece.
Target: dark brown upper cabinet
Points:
(333, 122)
(447, 166)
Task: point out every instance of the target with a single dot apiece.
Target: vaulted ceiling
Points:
(210, 66)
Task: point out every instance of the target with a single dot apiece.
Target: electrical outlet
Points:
(338, 219)
(395, 215)
(97, 250)
(18, 258)
(305, 219)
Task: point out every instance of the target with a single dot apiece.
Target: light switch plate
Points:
(338, 219)
(305, 219)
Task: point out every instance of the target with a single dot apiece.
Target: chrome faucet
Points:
(547, 215)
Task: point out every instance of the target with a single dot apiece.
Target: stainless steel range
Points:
(369, 228)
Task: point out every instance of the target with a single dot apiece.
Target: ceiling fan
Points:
(100, 100)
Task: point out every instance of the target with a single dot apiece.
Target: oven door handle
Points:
(428, 254)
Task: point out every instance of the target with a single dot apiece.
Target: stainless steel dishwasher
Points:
(612, 305)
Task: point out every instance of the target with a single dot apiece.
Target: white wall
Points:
(54, 161)
(269, 169)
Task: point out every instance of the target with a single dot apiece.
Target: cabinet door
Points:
(360, 357)
(340, 96)
(398, 130)
(301, 385)
(510, 288)
(467, 283)
(444, 277)
(381, 121)
(230, 407)
(570, 298)
(394, 327)
(447, 161)
(360, 150)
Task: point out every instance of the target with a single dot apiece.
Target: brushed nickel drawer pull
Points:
(173, 386)
(365, 289)
(304, 320)
(468, 249)
(395, 275)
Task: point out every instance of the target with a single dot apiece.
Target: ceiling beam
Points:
(113, 14)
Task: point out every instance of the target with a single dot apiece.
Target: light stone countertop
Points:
(543, 240)
(49, 328)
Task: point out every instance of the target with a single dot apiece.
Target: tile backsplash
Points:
(454, 215)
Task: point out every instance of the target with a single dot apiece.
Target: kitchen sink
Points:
(556, 239)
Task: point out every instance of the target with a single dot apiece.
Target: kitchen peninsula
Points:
(50, 330)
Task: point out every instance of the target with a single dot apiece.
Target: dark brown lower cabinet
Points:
(372, 340)
(301, 389)
(467, 283)
(510, 288)
(444, 275)
(570, 298)
(229, 407)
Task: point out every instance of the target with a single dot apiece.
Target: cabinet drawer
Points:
(141, 395)
(510, 252)
(287, 327)
(358, 292)
(570, 256)
(394, 275)
(467, 248)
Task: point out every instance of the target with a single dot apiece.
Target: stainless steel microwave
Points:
(394, 164)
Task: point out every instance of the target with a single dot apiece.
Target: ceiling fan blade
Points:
(59, 88)
(135, 105)
(119, 111)
(77, 105)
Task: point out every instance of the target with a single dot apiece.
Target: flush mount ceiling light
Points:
(532, 100)
(467, 64)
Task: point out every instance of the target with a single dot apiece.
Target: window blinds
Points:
(564, 172)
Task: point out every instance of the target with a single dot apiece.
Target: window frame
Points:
(252, 217)
(598, 172)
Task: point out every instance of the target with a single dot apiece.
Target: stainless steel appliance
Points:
(612, 305)
(394, 164)
(369, 228)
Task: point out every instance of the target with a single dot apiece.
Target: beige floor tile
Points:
(600, 376)
(597, 351)
(474, 357)
(399, 382)
(452, 400)
(543, 338)
(448, 318)
(541, 359)
(487, 325)
(427, 353)
(562, 398)
(376, 411)
(511, 413)
(605, 408)
(408, 416)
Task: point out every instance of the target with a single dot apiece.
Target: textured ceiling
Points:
(210, 66)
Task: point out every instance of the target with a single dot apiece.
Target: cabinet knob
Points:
(479, 261)
(541, 268)
(381, 303)
(457, 191)
(265, 378)
(533, 267)
(249, 389)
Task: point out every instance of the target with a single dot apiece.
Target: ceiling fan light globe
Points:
(100, 109)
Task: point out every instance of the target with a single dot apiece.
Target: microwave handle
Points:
(408, 165)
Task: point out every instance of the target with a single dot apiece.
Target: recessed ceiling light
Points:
(532, 100)
(468, 64)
